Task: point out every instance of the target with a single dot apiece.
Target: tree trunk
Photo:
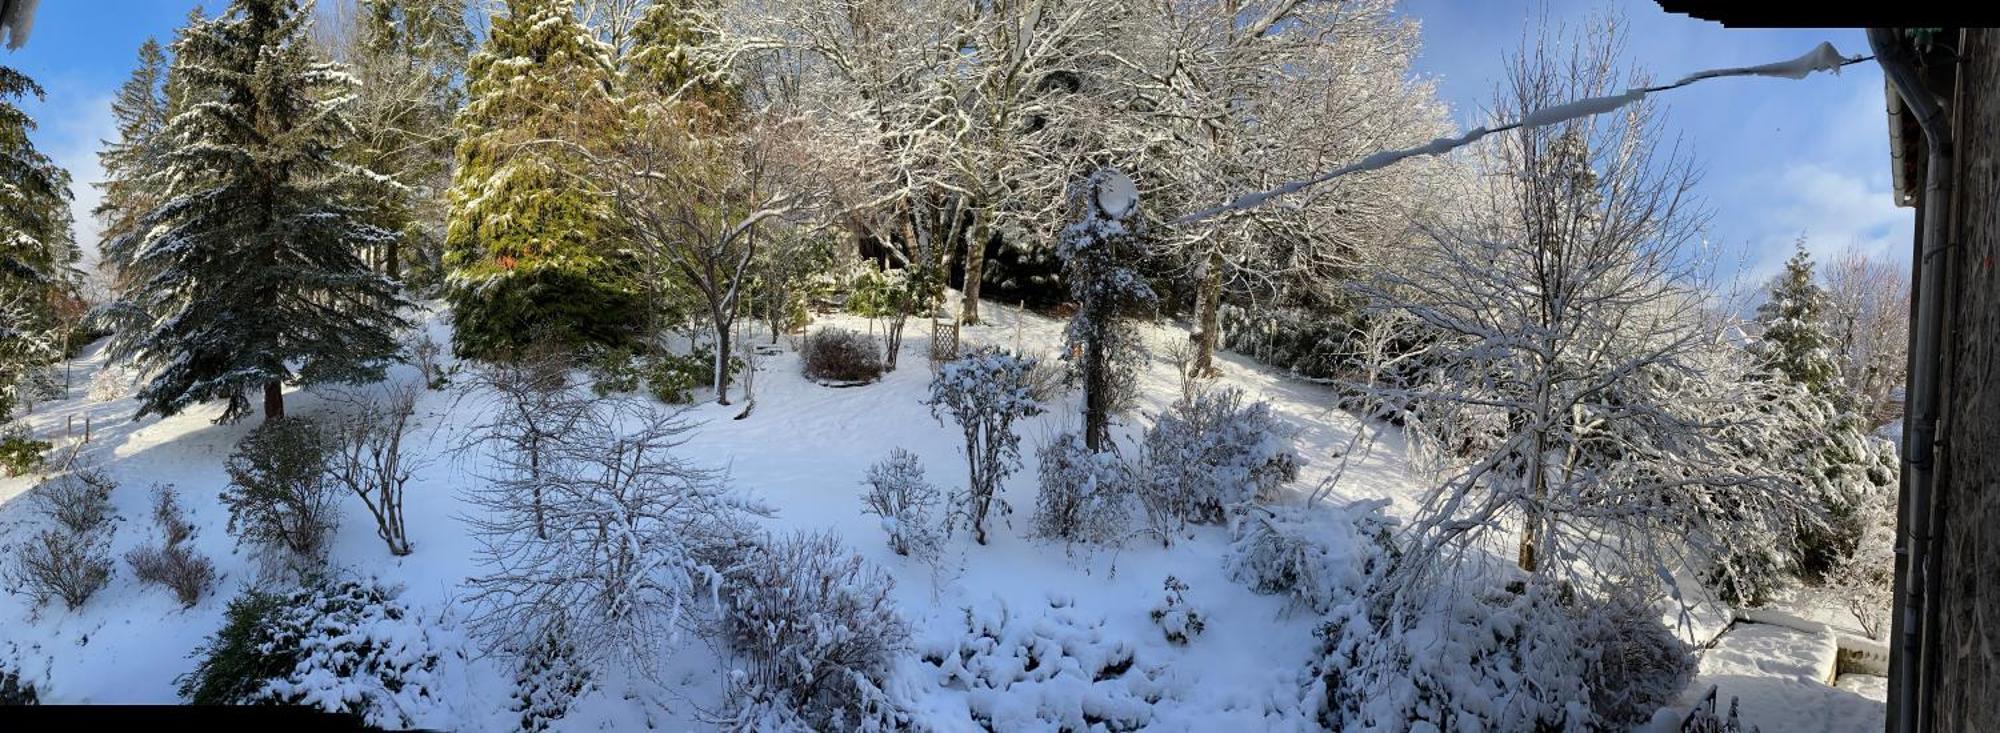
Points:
(721, 359)
(975, 267)
(1096, 393)
(274, 400)
(1208, 326)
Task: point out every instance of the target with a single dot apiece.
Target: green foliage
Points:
(37, 253)
(279, 495)
(251, 272)
(239, 657)
(672, 378)
(524, 242)
(1794, 343)
(342, 647)
(19, 454)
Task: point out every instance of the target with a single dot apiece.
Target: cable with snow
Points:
(1823, 57)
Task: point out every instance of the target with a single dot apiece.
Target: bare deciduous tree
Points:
(368, 457)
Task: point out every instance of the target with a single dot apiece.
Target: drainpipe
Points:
(1920, 416)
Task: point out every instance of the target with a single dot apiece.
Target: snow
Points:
(1783, 679)
(805, 451)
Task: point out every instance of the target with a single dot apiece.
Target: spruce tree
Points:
(37, 254)
(132, 184)
(1795, 342)
(526, 245)
(251, 269)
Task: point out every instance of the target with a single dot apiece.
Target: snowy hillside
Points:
(803, 450)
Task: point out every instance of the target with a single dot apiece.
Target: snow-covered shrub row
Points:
(1083, 496)
(816, 632)
(898, 493)
(171, 562)
(984, 392)
(1178, 619)
(1047, 670)
(1529, 657)
(1206, 455)
(548, 678)
(841, 355)
(1319, 555)
(69, 561)
(344, 647)
(279, 495)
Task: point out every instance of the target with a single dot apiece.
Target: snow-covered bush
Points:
(1179, 620)
(817, 633)
(547, 680)
(113, 381)
(898, 493)
(1477, 657)
(1865, 580)
(79, 500)
(1083, 495)
(1318, 555)
(20, 453)
(279, 494)
(841, 355)
(1049, 671)
(1211, 453)
(602, 530)
(343, 647)
(984, 392)
(171, 562)
(57, 563)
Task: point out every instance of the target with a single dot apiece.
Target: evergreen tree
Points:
(409, 56)
(251, 271)
(1795, 342)
(37, 254)
(525, 245)
(131, 185)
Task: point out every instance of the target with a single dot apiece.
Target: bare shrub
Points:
(59, 564)
(604, 531)
(79, 500)
(899, 494)
(180, 569)
(428, 357)
(537, 404)
(279, 495)
(169, 517)
(841, 355)
(817, 632)
(172, 563)
(367, 457)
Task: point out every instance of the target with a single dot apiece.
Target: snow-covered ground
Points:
(803, 450)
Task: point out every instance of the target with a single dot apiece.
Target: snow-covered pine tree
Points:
(525, 247)
(1794, 341)
(37, 254)
(1837, 463)
(133, 164)
(251, 271)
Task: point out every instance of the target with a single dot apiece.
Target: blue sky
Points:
(1779, 158)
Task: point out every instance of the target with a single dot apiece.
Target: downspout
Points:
(1920, 418)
